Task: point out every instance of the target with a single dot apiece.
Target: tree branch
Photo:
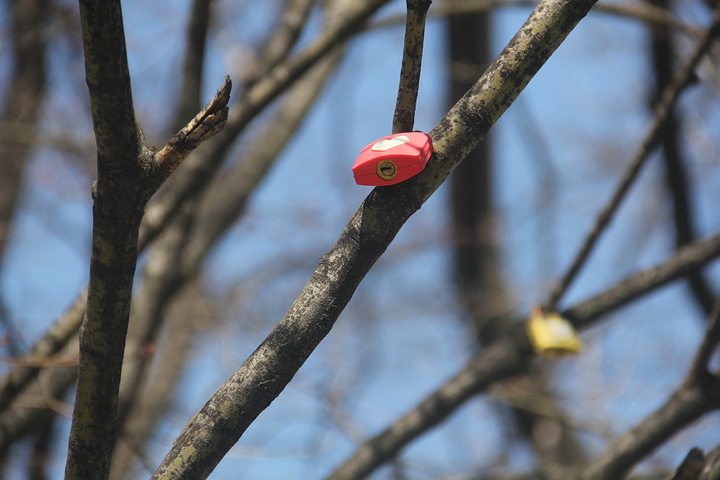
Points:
(404, 117)
(281, 42)
(193, 60)
(663, 108)
(505, 357)
(684, 261)
(59, 334)
(500, 360)
(698, 394)
(200, 168)
(663, 59)
(236, 404)
(206, 124)
(129, 173)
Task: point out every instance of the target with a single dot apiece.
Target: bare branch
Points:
(129, 173)
(206, 124)
(404, 117)
(634, 286)
(198, 169)
(691, 466)
(60, 333)
(226, 415)
(500, 360)
(193, 60)
(117, 212)
(711, 469)
(682, 78)
(698, 394)
(515, 352)
(282, 40)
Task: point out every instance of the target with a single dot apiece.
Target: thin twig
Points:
(207, 123)
(681, 79)
(404, 117)
(685, 260)
(193, 61)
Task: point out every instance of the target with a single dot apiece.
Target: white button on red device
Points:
(392, 159)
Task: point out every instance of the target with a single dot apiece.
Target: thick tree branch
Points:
(129, 173)
(108, 80)
(226, 415)
(115, 223)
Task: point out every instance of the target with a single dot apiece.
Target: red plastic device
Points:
(393, 159)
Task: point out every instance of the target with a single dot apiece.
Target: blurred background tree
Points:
(233, 236)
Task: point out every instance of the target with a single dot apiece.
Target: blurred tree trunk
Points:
(663, 64)
(21, 106)
(477, 263)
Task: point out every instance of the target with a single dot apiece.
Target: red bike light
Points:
(392, 159)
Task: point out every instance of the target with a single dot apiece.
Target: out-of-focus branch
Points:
(28, 414)
(48, 345)
(698, 394)
(224, 202)
(282, 40)
(404, 117)
(22, 106)
(199, 168)
(683, 77)
(644, 12)
(711, 469)
(507, 355)
(500, 360)
(663, 60)
(236, 404)
(193, 60)
(691, 466)
(685, 260)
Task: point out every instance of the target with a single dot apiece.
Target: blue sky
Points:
(402, 335)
